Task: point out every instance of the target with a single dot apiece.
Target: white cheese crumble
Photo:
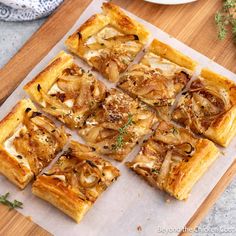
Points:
(69, 102)
(55, 89)
(167, 67)
(60, 177)
(8, 145)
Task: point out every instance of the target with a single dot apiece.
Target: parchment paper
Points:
(130, 202)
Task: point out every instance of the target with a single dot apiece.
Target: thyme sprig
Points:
(226, 17)
(15, 204)
(122, 132)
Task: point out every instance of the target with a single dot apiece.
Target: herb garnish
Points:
(155, 171)
(226, 17)
(174, 131)
(122, 132)
(6, 202)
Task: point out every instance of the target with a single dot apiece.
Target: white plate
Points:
(170, 2)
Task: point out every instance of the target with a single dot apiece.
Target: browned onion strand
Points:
(69, 83)
(184, 149)
(113, 71)
(87, 171)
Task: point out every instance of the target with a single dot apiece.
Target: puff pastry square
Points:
(28, 143)
(66, 91)
(109, 41)
(159, 77)
(209, 107)
(117, 125)
(76, 180)
(173, 160)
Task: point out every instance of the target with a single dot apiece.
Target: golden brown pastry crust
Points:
(110, 55)
(221, 128)
(73, 85)
(67, 193)
(124, 23)
(18, 167)
(52, 191)
(173, 160)
(159, 48)
(115, 128)
(89, 28)
(48, 76)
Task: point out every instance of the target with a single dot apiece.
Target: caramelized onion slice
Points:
(96, 46)
(221, 95)
(84, 94)
(53, 102)
(165, 167)
(69, 83)
(202, 104)
(114, 41)
(113, 71)
(88, 175)
(43, 123)
(124, 38)
(184, 149)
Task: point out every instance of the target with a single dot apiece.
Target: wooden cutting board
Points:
(192, 24)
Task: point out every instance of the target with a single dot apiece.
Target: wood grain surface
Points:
(192, 24)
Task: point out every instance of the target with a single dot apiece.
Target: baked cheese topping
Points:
(8, 145)
(107, 32)
(55, 89)
(92, 53)
(165, 66)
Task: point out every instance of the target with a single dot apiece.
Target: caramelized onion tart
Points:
(209, 107)
(173, 160)
(158, 77)
(66, 91)
(117, 125)
(28, 143)
(76, 180)
(109, 41)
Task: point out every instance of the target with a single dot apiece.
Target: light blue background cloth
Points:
(24, 10)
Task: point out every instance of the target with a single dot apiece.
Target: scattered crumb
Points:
(167, 200)
(29, 218)
(139, 228)
(222, 153)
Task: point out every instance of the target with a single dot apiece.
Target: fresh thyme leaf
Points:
(233, 22)
(122, 132)
(220, 21)
(15, 204)
(229, 4)
(155, 171)
(225, 17)
(175, 131)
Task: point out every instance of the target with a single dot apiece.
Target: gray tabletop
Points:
(220, 220)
